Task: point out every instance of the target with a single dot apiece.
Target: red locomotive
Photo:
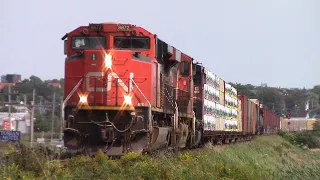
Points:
(127, 90)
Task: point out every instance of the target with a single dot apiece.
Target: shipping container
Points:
(310, 123)
(260, 119)
(222, 85)
(252, 117)
(255, 117)
(211, 79)
(250, 114)
(284, 124)
(222, 99)
(239, 116)
(220, 124)
(258, 123)
(297, 124)
(271, 121)
(267, 120)
(210, 123)
(244, 108)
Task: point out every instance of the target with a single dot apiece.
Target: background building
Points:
(13, 78)
(20, 121)
(3, 78)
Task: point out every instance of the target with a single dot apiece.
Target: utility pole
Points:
(52, 118)
(40, 108)
(261, 93)
(273, 107)
(32, 115)
(9, 106)
(25, 99)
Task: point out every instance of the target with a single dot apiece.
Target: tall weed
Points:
(266, 157)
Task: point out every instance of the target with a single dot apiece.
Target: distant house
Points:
(4, 84)
(19, 121)
(54, 84)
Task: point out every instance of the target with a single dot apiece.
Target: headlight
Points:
(127, 100)
(83, 99)
(132, 113)
(108, 61)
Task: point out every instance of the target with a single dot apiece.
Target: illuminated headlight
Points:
(127, 100)
(108, 61)
(83, 99)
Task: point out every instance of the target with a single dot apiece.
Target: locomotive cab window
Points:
(131, 42)
(184, 68)
(88, 42)
(196, 74)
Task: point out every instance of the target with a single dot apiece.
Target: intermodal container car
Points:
(259, 119)
(284, 124)
(310, 123)
(244, 109)
(240, 122)
(297, 124)
(222, 85)
(249, 114)
(271, 121)
(252, 117)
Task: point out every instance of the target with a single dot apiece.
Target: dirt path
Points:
(316, 150)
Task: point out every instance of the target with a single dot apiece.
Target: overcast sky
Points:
(248, 41)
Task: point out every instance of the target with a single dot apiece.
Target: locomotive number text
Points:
(96, 26)
(124, 28)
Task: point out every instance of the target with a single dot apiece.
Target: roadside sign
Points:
(6, 135)
(40, 140)
(6, 125)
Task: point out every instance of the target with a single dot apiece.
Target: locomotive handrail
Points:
(141, 92)
(63, 105)
(150, 120)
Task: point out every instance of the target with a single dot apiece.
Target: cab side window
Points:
(184, 68)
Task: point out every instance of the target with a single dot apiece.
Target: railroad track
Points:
(171, 152)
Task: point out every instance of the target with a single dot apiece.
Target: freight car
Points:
(297, 124)
(127, 90)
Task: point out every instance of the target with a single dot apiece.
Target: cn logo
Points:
(111, 76)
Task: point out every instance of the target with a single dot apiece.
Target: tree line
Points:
(297, 101)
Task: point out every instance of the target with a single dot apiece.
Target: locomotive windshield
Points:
(88, 42)
(131, 42)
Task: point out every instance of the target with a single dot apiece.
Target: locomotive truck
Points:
(127, 90)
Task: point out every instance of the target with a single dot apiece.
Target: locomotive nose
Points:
(95, 59)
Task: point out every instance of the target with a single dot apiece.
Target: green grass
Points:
(266, 157)
(309, 139)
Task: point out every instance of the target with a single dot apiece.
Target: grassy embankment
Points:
(266, 157)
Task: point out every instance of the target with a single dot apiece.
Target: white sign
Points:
(40, 140)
